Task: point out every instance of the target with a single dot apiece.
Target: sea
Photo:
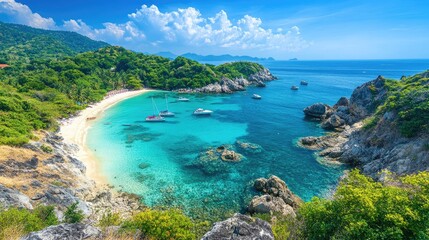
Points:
(162, 162)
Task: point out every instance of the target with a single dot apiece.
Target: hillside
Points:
(384, 125)
(33, 97)
(209, 58)
(23, 43)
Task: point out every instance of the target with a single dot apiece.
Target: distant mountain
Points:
(19, 42)
(208, 58)
(225, 57)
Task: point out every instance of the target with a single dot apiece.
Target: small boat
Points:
(256, 96)
(166, 113)
(304, 83)
(183, 99)
(154, 118)
(201, 111)
(294, 87)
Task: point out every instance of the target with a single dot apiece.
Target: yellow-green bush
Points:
(162, 224)
(25, 221)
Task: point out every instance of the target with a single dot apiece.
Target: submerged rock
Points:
(240, 227)
(65, 232)
(249, 147)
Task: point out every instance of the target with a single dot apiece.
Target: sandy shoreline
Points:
(74, 131)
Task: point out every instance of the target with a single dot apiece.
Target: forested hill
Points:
(34, 96)
(20, 44)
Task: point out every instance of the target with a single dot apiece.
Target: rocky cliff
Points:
(47, 173)
(368, 131)
(226, 85)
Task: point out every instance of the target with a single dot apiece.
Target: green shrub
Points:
(364, 209)
(162, 225)
(73, 214)
(25, 221)
(110, 219)
(46, 148)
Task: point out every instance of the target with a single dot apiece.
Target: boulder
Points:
(65, 232)
(317, 110)
(276, 187)
(269, 204)
(13, 198)
(343, 101)
(230, 156)
(240, 227)
(333, 122)
(249, 147)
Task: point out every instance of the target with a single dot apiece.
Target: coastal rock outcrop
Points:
(240, 227)
(65, 232)
(226, 85)
(276, 198)
(372, 149)
(317, 110)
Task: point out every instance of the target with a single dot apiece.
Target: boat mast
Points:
(153, 106)
(166, 102)
(156, 108)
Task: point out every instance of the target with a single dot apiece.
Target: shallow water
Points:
(158, 160)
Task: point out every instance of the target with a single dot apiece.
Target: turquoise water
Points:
(166, 152)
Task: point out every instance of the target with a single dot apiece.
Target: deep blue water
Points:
(168, 150)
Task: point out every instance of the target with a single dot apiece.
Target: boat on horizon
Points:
(294, 87)
(183, 99)
(166, 113)
(201, 111)
(256, 96)
(154, 118)
(304, 83)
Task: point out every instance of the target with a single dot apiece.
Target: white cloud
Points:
(184, 29)
(188, 27)
(22, 14)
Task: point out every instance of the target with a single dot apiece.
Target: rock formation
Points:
(372, 150)
(276, 198)
(240, 227)
(226, 85)
(66, 232)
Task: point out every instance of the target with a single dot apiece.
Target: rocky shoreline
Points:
(370, 148)
(226, 85)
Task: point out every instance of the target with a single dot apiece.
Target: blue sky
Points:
(376, 29)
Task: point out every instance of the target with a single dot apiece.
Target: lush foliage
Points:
(22, 221)
(21, 44)
(409, 99)
(364, 209)
(163, 224)
(34, 96)
(73, 214)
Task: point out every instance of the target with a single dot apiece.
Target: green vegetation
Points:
(17, 222)
(409, 100)
(364, 209)
(35, 96)
(110, 219)
(163, 224)
(21, 44)
(73, 214)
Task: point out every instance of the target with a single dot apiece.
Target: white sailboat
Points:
(166, 113)
(155, 118)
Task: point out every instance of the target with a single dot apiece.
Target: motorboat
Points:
(201, 111)
(304, 83)
(256, 96)
(294, 87)
(183, 99)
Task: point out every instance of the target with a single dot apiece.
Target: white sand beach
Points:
(74, 130)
